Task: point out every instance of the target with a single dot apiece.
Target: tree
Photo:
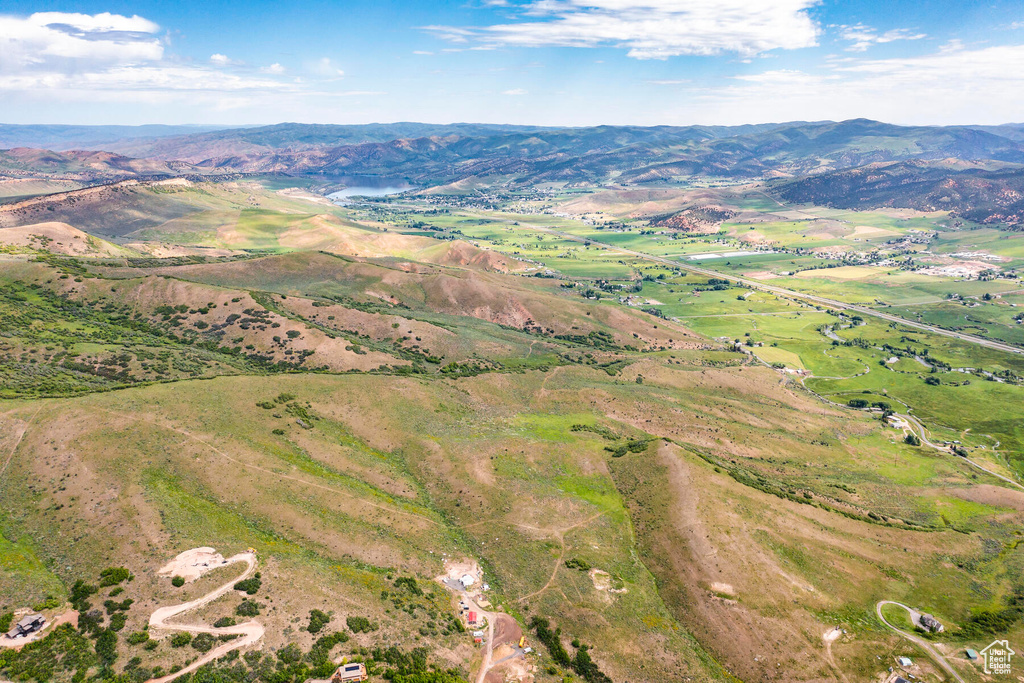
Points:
(912, 439)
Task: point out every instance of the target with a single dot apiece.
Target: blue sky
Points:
(551, 62)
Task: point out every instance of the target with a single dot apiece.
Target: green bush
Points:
(249, 586)
(224, 622)
(178, 581)
(360, 625)
(247, 608)
(118, 621)
(5, 621)
(204, 642)
(181, 639)
(317, 620)
(111, 576)
(577, 563)
(137, 638)
(63, 650)
(409, 584)
(290, 654)
(49, 602)
(106, 646)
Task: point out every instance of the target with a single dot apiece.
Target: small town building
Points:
(471, 618)
(972, 655)
(904, 661)
(467, 580)
(356, 671)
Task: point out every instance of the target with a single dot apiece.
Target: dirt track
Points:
(920, 642)
(250, 632)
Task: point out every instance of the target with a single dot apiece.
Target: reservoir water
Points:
(368, 186)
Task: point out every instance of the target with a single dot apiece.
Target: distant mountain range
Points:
(62, 138)
(821, 153)
(626, 154)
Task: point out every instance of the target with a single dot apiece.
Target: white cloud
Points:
(653, 29)
(326, 68)
(109, 57)
(422, 52)
(952, 85)
(48, 37)
(862, 37)
(222, 60)
(515, 92)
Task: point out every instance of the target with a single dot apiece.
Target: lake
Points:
(368, 186)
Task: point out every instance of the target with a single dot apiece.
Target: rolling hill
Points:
(981, 192)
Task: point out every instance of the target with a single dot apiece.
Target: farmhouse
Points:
(932, 624)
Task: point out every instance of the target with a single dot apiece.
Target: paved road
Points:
(920, 642)
(781, 291)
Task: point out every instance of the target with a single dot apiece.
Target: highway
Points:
(780, 291)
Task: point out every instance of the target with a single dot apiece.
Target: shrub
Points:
(409, 584)
(360, 625)
(857, 403)
(278, 432)
(181, 639)
(106, 646)
(247, 608)
(118, 621)
(250, 585)
(577, 563)
(224, 622)
(317, 620)
(912, 439)
(320, 653)
(204, 642)
(178, 581)
(290, 654)
(49, 602)
(137, 638)
(5, 621)
(111, 576)
(293, 334)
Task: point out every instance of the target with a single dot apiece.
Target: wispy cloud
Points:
(63, 56)
(862, 37)
(941, 87)
(326, 68)
(652, 29)
(515, 92)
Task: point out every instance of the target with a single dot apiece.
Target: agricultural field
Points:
(637, 447)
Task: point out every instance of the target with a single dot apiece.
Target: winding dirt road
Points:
(249, 632)
(920, 642)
